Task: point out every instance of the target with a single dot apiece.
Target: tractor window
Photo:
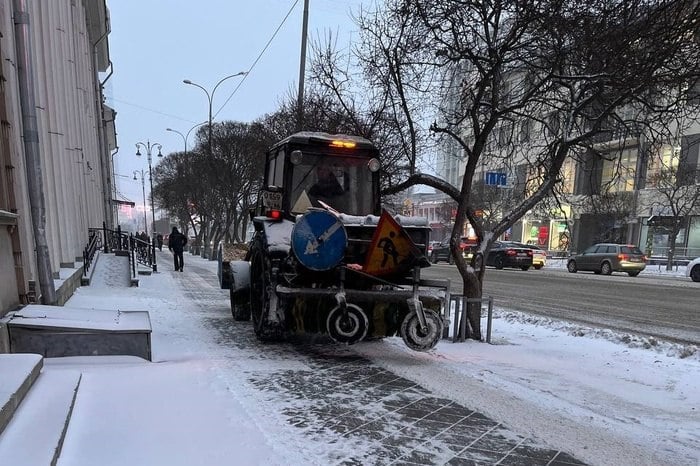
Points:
(275, 173)
(343, 183)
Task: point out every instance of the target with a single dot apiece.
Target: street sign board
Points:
(495, 178)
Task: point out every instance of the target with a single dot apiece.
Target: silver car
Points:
(606, 258)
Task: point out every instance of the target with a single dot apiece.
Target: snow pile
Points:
(666, 348)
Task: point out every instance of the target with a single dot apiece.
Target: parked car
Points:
(509, 254)
(693, 269)
(539, 255)
(606, 258)
(431, 246)
(441, 250)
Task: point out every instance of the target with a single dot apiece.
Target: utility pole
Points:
(302, 67)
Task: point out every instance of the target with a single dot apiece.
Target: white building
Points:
(56, 142)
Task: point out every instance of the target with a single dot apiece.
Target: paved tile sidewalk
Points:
(401, 422)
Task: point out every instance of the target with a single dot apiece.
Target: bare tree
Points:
(173, 188)
(526, 84)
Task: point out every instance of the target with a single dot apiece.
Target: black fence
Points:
(139, 251)
(89, 251)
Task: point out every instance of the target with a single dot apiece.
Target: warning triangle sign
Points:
(391, 249)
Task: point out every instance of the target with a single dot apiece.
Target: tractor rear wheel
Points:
(240, 307)
(261, 289)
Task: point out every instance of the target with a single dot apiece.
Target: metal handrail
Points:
(90, 249)
(138, 250)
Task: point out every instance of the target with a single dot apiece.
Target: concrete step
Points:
(35, 434)
(17, 374)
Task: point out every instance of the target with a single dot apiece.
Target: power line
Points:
(149, 109)
(240, 83)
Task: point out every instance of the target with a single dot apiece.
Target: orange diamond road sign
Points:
(391, 248)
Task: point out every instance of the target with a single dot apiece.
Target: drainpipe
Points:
(25, 75)
(104, 156)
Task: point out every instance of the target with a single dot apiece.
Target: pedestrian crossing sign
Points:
(391, 249)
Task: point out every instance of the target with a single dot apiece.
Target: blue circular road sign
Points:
(319, 240)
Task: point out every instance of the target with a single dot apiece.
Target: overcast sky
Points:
(155, 44)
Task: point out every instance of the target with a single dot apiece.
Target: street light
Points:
(186, 137)
(210, 99)
(143, 189)
(149, 148)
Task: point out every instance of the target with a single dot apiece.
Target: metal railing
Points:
(89, 251)
(661, 252)
(139, 251)
(144, 252)
(457, 309)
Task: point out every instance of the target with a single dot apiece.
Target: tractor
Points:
(325, 258)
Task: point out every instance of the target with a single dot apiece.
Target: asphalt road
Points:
(663, 307)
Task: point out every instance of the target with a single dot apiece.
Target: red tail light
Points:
(274, 214)
(623, 257)
(510, 252)
(530, 252)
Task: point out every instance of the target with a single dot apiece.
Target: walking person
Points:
(176, 243)
(159, 241)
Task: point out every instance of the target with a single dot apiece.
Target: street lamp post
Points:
(185, 137)
(149, 149)
(143, 190)
(210, 99)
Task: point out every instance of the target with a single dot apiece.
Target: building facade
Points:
(55, 158)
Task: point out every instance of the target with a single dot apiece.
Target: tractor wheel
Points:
(261, 289)
(349, 326)
(240, 307)
(417, 339)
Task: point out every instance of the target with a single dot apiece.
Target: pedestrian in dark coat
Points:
(159, 241)
(176, 243)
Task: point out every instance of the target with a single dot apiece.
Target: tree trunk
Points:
(472, 289)
(673, 234)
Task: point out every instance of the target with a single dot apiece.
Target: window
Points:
(552, 128)
(663, 165)
(525, 131)
(619, 170)
(568, 175)
(505, 135)
(276, 170)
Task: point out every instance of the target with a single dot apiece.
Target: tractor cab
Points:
(333, 172)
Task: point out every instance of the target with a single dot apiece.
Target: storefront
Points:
(655, 235)
(553, 233)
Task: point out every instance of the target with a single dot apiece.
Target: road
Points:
(664, 307)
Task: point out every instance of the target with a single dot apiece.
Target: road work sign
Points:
(391, 249)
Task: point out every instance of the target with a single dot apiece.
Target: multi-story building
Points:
(614, 197)
(56, 141)
(623, 188)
